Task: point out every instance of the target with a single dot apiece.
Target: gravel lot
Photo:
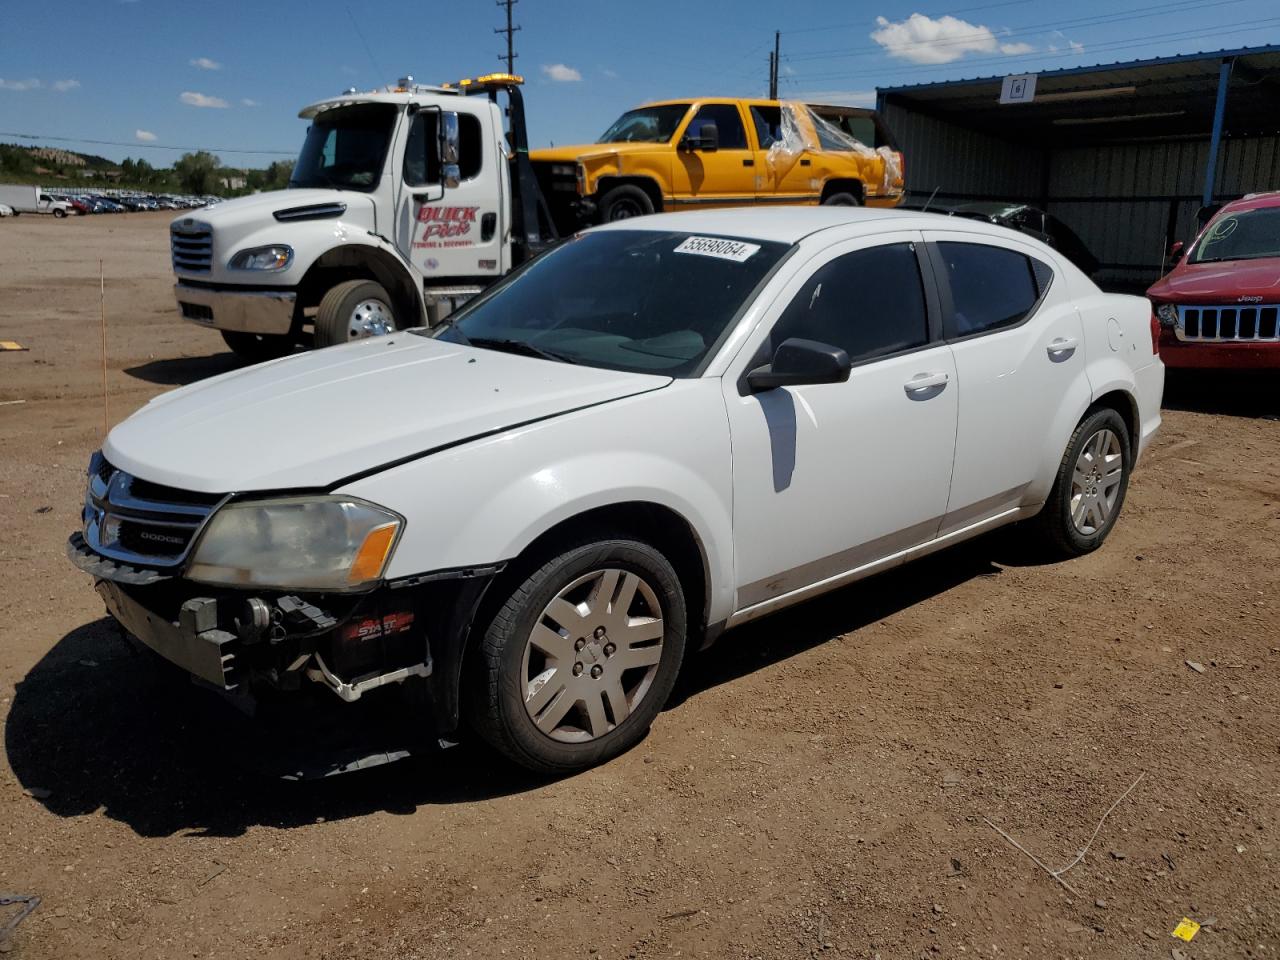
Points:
(819, 785)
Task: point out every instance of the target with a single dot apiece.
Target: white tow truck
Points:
(404, 203)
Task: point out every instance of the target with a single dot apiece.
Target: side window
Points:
(869, 303)
(733, 136)
(768, 124)
(991, 287)
(422, 151)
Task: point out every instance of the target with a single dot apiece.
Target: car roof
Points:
(1254, 201)
(791, 224)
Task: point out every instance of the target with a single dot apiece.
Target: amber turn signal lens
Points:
(373, 554)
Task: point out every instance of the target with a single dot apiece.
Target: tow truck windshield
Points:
(345, 148)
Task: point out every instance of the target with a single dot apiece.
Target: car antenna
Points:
(925, 208)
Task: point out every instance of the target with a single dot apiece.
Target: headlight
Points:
(275, 257)
(296, 543)
(563, 169)
(1168, 314)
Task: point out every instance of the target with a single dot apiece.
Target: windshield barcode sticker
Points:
(734, 250)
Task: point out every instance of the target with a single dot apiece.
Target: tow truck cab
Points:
(404, 203)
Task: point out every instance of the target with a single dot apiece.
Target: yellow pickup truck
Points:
(698, 153)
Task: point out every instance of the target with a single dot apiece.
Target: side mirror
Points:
(709, 139)
(797, 362)
(450, 174)
(1175, 250)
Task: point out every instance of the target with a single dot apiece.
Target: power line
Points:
(143, 146)
(510, 30)
(367, 49)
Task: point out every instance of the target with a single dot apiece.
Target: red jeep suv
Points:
(1218, 306)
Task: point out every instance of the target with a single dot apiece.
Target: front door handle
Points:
(924, 382)
(1062, 347)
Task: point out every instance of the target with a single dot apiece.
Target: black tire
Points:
(257, 347)
(1053, 531)
(59, 213)
(624, 202)
(842, 199)
(337, 306)
(496, 706)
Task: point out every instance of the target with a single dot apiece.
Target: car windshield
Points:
(636, 300)
(1247, 235)
(646, 125)
(345, 148)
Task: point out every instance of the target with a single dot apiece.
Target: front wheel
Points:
(257, 347)
(1090, 487)
(354, 310)
(624, 202)
(581, 656)
(59, 214)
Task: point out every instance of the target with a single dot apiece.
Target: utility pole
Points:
(510, 30)
(773, 65)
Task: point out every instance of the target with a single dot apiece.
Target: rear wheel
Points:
(257, 347)
(624, 202)
(59, 213)
(842, 199)
(581, 656)
(1090, 488)
(354, 310)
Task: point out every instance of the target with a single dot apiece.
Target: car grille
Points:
(1221, 324)
(191, 243)
(139, 522)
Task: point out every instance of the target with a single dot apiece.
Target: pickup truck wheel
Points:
(841, 200)
(354, 310)
(59, 213)
(581, 657)
(624, 202)
(257, 347)
(1089, 490)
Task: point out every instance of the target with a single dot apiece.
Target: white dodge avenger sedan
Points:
(665, 427)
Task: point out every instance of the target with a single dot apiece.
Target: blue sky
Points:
(232, 75)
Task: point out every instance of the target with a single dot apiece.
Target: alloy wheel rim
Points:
(370, 318)
(1095, 482)
(592, 655)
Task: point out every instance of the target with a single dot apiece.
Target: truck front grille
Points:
(191, 243)
(1229, 324)
(138, 522)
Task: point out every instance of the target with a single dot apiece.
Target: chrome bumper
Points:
(239, 310)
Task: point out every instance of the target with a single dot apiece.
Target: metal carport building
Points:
(1125, 154)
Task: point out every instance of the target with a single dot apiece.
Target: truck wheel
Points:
(257, 347)
(354, 310)
(59, 213)
(842, 199)
(581, 657)
(624, 202)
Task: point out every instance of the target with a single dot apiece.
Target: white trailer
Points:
(404, 203)
(24, 198)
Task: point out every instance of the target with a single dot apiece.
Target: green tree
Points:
(197, 172)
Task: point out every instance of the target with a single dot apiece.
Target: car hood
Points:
(1225, 282)
(310, 420)
(591, 151)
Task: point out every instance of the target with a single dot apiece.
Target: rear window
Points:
(991, 287)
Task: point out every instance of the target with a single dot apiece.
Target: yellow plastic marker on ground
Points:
(1186, 929)
(11, 345)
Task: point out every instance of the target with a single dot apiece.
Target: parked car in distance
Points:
(6, 210)
(658, 430)
(1034, 222)
(1219, 307)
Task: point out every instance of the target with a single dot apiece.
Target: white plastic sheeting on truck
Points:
(796, 138)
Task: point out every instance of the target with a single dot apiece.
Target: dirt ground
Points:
(821, 784)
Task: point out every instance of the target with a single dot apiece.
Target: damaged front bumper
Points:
(243, 642)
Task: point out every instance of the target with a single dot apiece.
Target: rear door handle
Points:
(748, 162)
(1060, 346)
(923, 382)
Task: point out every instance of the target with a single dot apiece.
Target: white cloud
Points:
(201, 100)
(561, 73)
(62, 86)
(20, 85)
(839, 98)
(1075, 47)
(611, 74)
(204, 63)
(144, 136)
(922, 39)
(249, 103)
